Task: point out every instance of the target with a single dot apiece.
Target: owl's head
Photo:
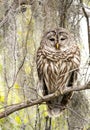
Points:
(57, 39)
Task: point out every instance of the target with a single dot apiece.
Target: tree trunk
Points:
(78, 112)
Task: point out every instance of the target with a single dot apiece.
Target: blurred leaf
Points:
(16, 86)
(18, 120)
(1, 68)
(2, 98)
(43, 108)
(27, 68)
(26, 120)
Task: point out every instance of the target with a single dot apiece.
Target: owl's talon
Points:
(61, 92)
(57, 93)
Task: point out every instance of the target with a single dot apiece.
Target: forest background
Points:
(22, 25)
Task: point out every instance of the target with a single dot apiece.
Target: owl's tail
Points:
(58, 104)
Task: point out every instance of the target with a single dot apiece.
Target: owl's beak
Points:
(57, 45)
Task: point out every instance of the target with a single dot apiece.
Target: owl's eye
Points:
(52, 39)
(62, 39)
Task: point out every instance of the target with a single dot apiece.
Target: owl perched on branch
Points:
(58, 60)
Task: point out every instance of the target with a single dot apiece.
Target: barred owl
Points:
(58, 60)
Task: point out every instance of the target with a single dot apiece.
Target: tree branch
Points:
(16, 107)
(87, 20)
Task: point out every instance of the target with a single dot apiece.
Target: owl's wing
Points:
(71, 81)
(42, 84)
(39, 63)
(75, 68)
(73, 78)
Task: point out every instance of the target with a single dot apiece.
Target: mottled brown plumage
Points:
(58, 60)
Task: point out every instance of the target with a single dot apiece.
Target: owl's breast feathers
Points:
(56, 67)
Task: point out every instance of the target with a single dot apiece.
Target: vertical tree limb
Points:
(87, 20)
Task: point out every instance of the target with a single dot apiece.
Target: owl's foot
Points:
(59, 92)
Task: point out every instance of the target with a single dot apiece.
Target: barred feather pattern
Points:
(55, 68)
